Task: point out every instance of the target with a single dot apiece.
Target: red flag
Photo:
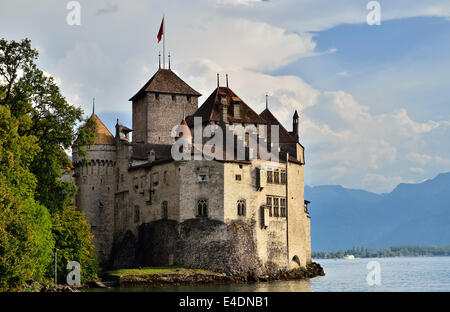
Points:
(161, 31)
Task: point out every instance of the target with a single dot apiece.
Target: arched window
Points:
(165, 210)
(241, 207)
(202, 208)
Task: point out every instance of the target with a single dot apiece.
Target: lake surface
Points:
(396, 274)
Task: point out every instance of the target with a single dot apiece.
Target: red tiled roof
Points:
(166, 81)
(103, 136)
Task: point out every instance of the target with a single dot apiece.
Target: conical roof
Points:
(166, 81)
(184, 130)
(103, 136)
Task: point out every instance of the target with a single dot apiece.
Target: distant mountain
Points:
(412, 214)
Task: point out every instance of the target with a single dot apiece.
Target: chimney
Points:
(223, 109)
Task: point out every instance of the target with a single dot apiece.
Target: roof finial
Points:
(159, 56)
(169, 60)
(227, 79)
(267, 100)
(93, 106)
(217, 80)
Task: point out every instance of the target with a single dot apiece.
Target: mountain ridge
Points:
(411, 214)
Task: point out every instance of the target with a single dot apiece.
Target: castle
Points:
(226, 214)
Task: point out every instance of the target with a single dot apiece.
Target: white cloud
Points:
(238, 2)
(422, 159)
(111, 56)
(417, 170)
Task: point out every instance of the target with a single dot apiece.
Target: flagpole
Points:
(164, 42)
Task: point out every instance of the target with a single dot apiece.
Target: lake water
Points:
(396, 274)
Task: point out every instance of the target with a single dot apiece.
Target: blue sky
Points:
(373, 100)
(410, 49)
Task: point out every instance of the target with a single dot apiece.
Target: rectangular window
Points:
(238, 177)
(269, 177)
(203, 174)
(155, 179)
(283, 176)
(283, 207)
(276, 212)
(174, 98)
(165, 210)
(269, 204)
(276, 177)
(137, 213)
(188, 98)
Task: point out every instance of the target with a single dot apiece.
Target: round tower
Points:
(95, 180)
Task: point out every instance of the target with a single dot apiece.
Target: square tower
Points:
(159, 106)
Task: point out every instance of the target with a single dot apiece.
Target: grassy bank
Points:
(160, 276)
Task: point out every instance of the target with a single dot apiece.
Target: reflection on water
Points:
(275, 286)
(397, 274)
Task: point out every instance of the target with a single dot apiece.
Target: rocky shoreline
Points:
(187, 277)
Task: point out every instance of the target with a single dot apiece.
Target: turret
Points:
(295, 124)
(94, 177)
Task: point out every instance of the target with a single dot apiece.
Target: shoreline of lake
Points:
(400, 274)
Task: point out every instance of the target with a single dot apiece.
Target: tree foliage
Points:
(37, 125)
(26, 239)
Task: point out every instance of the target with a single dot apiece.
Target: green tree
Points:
(26, 240)
(43, 115)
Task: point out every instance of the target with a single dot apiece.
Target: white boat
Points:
(349, 257)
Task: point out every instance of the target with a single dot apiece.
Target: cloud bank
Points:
(114, 52)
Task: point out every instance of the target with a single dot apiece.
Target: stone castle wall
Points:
(224, 241)
(153, 119)
(96, 182)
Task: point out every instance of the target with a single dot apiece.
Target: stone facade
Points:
(239, 217)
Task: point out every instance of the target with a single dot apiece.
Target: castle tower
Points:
(157, 107)
(95, 180)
